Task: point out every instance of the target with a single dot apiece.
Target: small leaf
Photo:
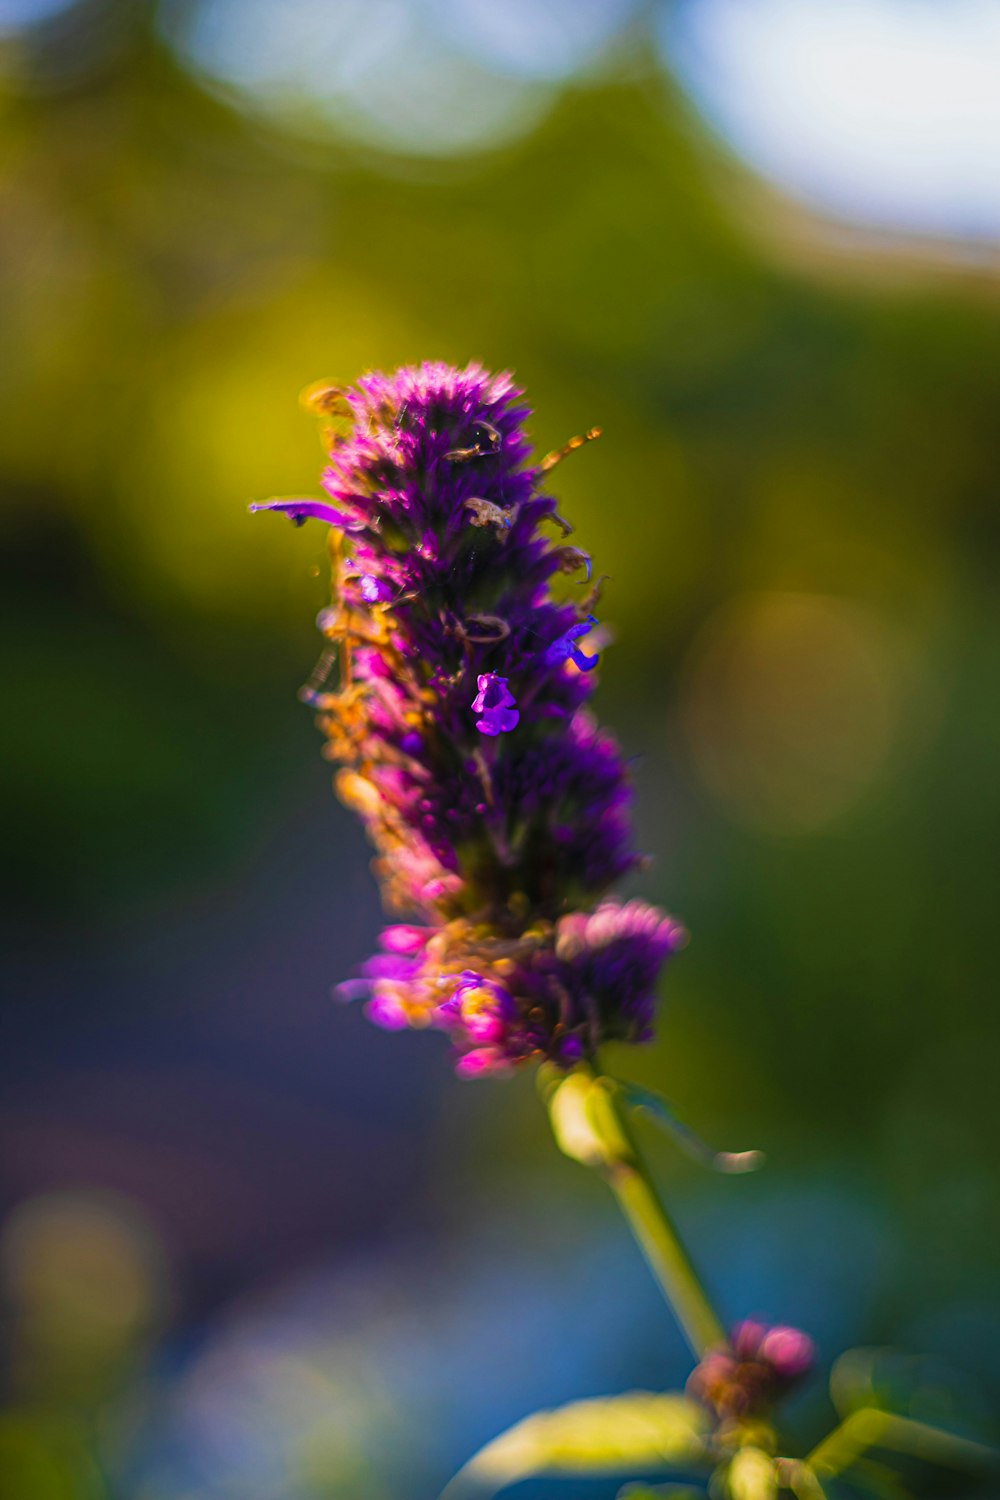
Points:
(912, 1385)
(667, 1118)
(884, 1378)
(637, 1430)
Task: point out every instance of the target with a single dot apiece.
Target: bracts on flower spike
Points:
(498, 809)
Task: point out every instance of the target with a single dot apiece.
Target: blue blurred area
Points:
(874, 110)
(250, 1245)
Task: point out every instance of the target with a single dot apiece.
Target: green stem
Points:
(873, 1428)
(667, 1257)
(590, 1126)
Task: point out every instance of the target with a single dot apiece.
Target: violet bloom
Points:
(495, 704)
(566, 649)
(482, 1009)
(612, 958)
(300, 511)
(499, 810)
(374, 590)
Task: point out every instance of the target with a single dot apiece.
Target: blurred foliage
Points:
(618, 1434)
(794, 498)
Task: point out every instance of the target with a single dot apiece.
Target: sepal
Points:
(584, 1122)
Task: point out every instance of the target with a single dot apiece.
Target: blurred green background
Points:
(250, 1246)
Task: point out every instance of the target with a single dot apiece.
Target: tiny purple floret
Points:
(481, 1060)
(387, 1011)
(404, 938)
(300, 511)
(566, 649)
(374, 590)
(496, 704)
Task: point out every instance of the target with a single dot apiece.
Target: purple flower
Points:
(482, 1060)
(299, 511)
(496, 855)
(613, 957)
(374, 590)
(495, 702)
(404, 939)
(387, 1010)
(566, 649)
(482, 1009)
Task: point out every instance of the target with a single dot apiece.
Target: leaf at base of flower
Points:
(665, 1116)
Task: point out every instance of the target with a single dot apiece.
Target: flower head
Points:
(498, 809)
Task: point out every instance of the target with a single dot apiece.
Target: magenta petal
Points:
(374, 590)
(479, 1061)
(353, 989)
(404, 938)
(791, 1352)
(301, 510)
(392, 965)
(386, 1011)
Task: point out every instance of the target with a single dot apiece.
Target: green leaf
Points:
(920, 1386)
(663, 1112)
(642, 1491)
(638, 1430)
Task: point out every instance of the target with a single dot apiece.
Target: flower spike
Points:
(499, 810)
